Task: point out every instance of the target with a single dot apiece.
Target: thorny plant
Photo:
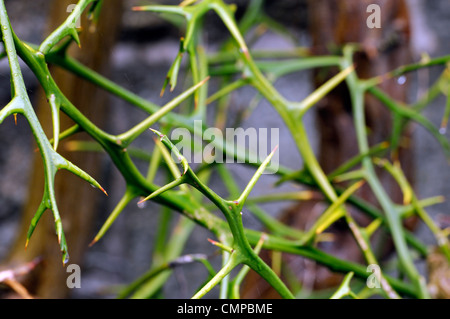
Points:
(237, 67)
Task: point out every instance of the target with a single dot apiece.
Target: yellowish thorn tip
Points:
(93, 242)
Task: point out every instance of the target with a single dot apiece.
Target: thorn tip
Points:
(93, 242)
(103, 190)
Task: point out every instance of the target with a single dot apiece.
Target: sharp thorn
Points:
(142, 201)
(212, 241)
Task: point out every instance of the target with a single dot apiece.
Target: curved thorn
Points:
(54, 105)
(74, 34)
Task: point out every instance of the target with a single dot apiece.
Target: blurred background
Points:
(135, 50)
